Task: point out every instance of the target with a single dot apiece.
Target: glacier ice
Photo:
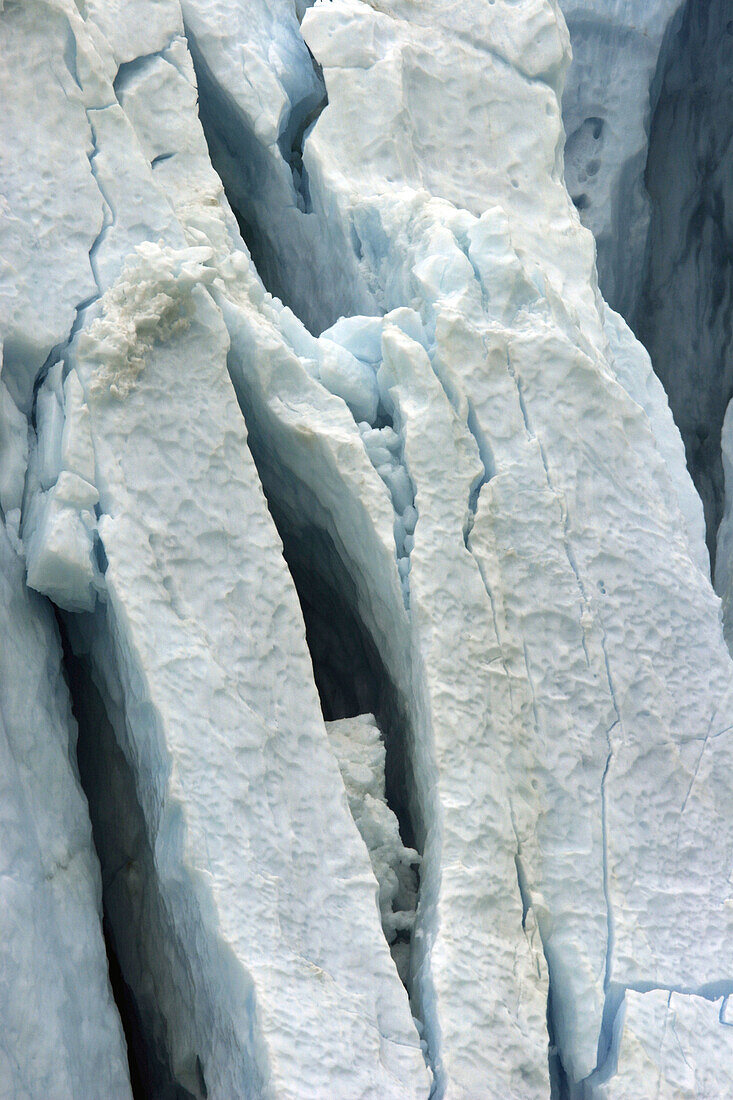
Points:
(678, 1045)
(361, 753)
(683, 313)
(618, 48)
(61, 1035)
(647, 111)
(404, 703)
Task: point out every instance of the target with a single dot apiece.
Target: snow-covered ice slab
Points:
(507, 324)
(608, 642)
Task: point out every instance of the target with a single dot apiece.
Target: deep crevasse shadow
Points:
(685, 310)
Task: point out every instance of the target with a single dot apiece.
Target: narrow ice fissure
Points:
(268, 190)
(108, 220)
(487, 461)
(108, 217)
(352, 684)
(133, 909)
(301, 120)
(385, 448)
(559, 1086)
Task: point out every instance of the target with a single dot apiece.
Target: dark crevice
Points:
(356, 630)
(250, 238)
(352, 680)
(306, 259)
(292, 139)
(129, 69)
(253, 187)
(610, 1038)
(349, 673)
(301, 256)
(294, 157)
(138, 1057)
(129, 896)
(685, 314)
(559, 1082)
(243, 165)
(350, 658)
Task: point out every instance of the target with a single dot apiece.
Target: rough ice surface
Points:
(361, 755)
(674, 1045)
(403, 699)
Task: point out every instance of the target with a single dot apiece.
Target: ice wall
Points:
(398, 459)
(647, 114)
(618, 49)
(683, 316)
(240, 897)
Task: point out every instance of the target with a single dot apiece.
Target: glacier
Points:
(366, 701)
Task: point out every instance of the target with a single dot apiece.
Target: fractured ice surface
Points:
(674, 1045)
(491, 539)
(360, 751)
(251, 934)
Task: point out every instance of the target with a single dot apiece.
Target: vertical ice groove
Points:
(109, 214)
(253, 130)
(61, 1033)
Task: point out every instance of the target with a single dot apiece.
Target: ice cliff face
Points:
(371, 661)
(647, 110)
(619, 48)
